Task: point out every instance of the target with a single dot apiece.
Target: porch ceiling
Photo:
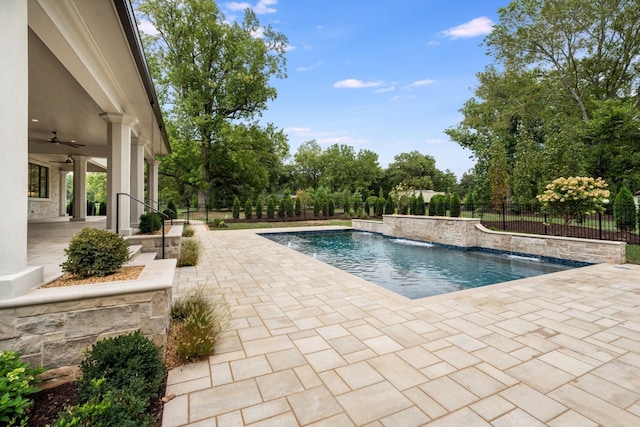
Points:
(81, 65)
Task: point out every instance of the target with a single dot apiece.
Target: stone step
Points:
(142, 258)
(134, 251)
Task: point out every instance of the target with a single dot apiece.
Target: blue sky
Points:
(388, 76)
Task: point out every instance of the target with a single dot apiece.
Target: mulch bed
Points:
(125, 273)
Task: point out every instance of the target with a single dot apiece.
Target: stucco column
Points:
(137, 180)
(118, 169)
(152, 182)
(15, 276)
(79, 188)
(62, 193)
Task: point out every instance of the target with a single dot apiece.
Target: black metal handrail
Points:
(164, 216)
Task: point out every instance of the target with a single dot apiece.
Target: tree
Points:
(624, 210)
(420, 209)
(412, 169)
(259, 207)
(308, 164)
(248, 207)
(298, 207)
(455, 206)
(271, 207)
(211, 71)
(236, 208)
(498, 174)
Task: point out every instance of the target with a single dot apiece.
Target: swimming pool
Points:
(410, 268)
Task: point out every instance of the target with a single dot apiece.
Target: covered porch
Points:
(78, 97)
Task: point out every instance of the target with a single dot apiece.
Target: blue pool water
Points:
(410, 268)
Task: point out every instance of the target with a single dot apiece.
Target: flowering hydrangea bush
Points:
(574, 197)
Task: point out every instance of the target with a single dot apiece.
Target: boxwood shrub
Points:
(95, 252)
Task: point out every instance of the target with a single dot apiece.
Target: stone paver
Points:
(311, 345)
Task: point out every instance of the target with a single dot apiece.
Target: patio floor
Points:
(309, 344)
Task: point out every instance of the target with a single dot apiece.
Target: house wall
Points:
(469, 233)
(49, 207)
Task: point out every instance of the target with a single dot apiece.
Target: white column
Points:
(62, 193)
(152, 181)
(137, 180)
(79, 188)
(118, 166)
(15, 276)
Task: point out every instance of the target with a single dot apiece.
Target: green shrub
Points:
(282, 208)
(150, 222)
(379, 209)
(259, 208)
(236, 208)
(271, 207)
(189, 252)
(130, 363)
(219, 223)
(187, 231)
(248, 207)
(171, 212)
(389, 207)
(420, 204)
(202, 319)
(288, 206)
(624, 210)
(95, 252)
(346, 206)
(108, 407)
(331, 207)
(316, 207)
(298, 207)
(455, 206)
(17, 381)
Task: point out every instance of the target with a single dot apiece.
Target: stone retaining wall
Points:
(469, 233)
(52, 327)
(153, 243)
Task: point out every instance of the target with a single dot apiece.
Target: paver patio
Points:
(308, 344)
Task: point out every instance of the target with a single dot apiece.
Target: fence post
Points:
(206, 215)
(504, 218)
(545, 224)
(117, 213)
(187, 214)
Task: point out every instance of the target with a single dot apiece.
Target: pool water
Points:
(410, 268)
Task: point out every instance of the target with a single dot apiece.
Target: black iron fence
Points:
(532, 219)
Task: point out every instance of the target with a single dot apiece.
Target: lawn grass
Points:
(633, 254)
(230, 225)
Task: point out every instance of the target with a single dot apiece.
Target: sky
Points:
(383, 75)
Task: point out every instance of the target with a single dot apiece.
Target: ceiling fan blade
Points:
(71, 144)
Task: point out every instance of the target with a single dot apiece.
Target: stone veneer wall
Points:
(469, 233)
(153, 243)
(52, 327)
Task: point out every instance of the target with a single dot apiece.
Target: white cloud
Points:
(310, 67)
(385, 89)
(423, 82)
(476, 27)
(297, 131)
(147, 28)
(325, 138)
(354, 84)
(433, 43)
(260, 8)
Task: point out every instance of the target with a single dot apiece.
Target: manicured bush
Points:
(288, 206)
(95, 252)
(150, 222)
(346, 205)
(17, 381)
(121, 376)
(282, 208)
(236, 208)
(271, 207)
(379, 210)
(189, 253)
(469, 203)
(248, 207)
(331, 207)
(171, 212)
(455, 206)
(259, 208)
(316, 207)
(298, 207)
(202, 320)
(624, 210)
(574, 197)
(420, 208)
(389, 207)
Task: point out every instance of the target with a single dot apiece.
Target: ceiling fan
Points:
(69, 161)
(56, 140)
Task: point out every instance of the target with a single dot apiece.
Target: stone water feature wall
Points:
(469, 233)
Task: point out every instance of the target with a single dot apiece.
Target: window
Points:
(38, 181)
